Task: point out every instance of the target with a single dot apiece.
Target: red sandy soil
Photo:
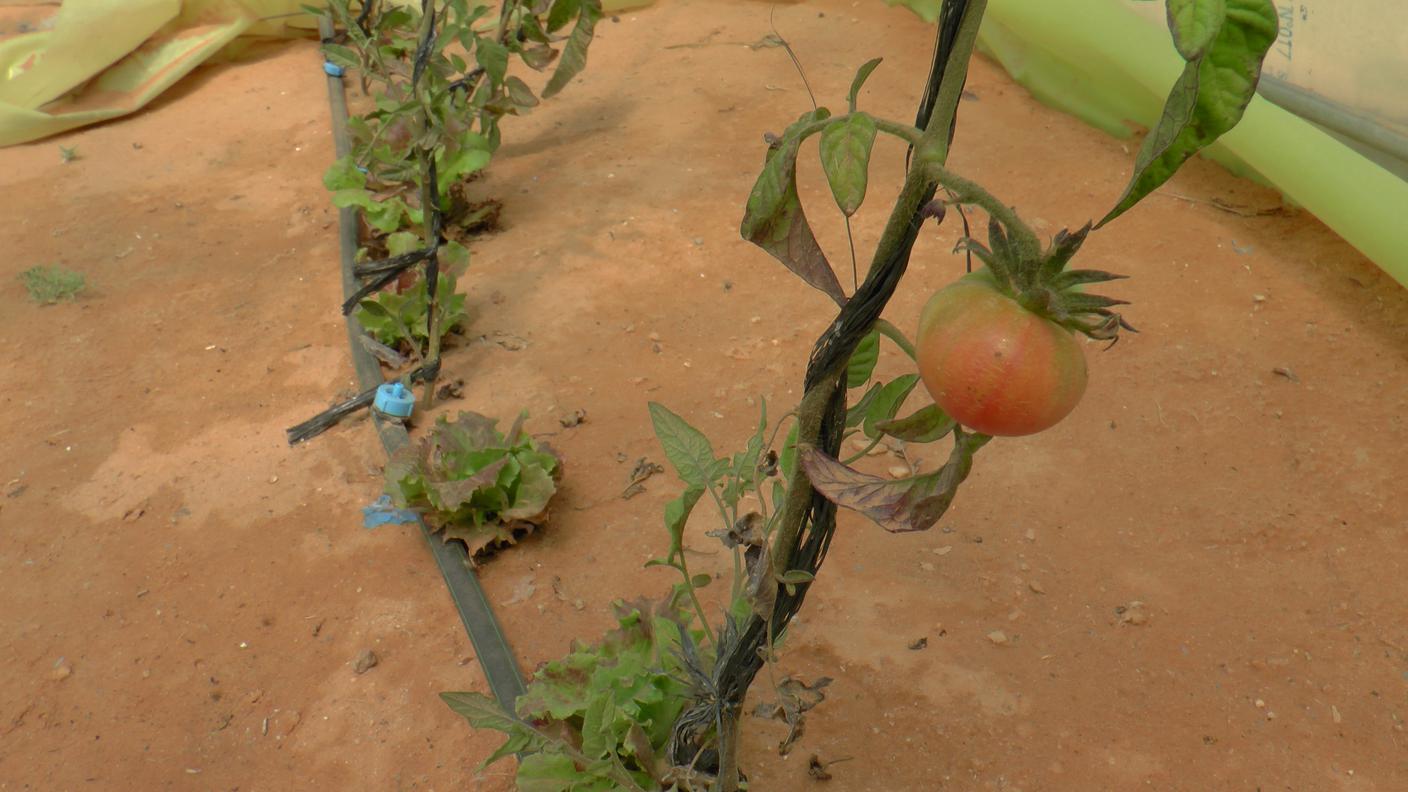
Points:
(184, 594)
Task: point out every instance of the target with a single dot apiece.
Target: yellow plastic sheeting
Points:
(1101, 62)
(105, 59)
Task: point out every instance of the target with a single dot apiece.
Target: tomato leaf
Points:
(1194, 24)
(897, 505)
(925, 426)
(845, 158)
(887, 403)
(687, 448)
(493, 57)
(774, 220)
(862, 74)
(863, 360)
(574, 52)
(1210, 96)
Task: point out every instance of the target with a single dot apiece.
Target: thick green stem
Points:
(894, 334)
(969, 192)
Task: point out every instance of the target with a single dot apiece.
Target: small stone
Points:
(273, 479)
(1260, 704)
(998, 637)
(654, 336)
(941, 551)
(1335, 713)
(365, 661)
(1030, 534)
(1036, 587)
(926, 566)
(61, 672)
(899, 471)
(1133, 614)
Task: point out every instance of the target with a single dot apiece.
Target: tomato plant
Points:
(781, 534)
(435, 123)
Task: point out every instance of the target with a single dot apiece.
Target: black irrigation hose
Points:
(495, 657)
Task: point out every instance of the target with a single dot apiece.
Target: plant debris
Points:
(643, 470)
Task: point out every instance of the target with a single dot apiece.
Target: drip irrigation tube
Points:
(495, 657)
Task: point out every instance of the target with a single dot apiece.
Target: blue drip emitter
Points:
(394, 399)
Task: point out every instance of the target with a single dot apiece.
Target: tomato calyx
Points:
(1040, 282)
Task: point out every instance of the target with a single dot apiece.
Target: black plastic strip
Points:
(490, 645)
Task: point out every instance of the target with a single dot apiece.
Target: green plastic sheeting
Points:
(1105, 65)
(108, 58)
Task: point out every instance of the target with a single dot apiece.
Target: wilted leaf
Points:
(897, 505)
(845, 158)
(775, 222)
(1210, 96)
(574, 53)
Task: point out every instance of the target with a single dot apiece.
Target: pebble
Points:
(900, 471)
(61, 672)
(273, 479)
(998, 637)
(1334, 713)
(365, 661)
(1036, 587)
(926, 566)
(945, 550)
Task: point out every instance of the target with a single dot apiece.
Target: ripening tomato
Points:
(993, 365)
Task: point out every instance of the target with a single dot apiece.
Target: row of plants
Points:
(657, 703)
(439, 80)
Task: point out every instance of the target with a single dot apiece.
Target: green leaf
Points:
(343, 175)
(793, 577)
(1194, 24)
(464, 161)
(701, 580)
(887, 402)
(787, 457)
(1209, 97)
(687, 448)
(561, 13)
(863, 360)
(402, 242)
(574, 52)
(676, 516)
(925, 426)
(774, 220)
(547, 772)
(493, 57)
(862, 74)
(346, 57)
(845, 158)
